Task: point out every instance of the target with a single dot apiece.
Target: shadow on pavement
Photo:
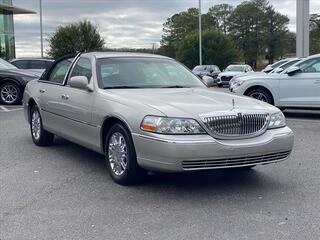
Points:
(303, 114)
(214, 181)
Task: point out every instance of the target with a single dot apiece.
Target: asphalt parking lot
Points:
(64, 192)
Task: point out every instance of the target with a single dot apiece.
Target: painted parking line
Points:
(3, 109)
(6, 109)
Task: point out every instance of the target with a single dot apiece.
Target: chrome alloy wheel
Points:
(117, 153)
(260, 96)
(9, 94)
(36, 125)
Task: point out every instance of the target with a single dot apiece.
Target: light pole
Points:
(303, 18)
(200, 35)
(41, 32)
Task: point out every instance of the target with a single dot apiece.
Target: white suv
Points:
(298, 86)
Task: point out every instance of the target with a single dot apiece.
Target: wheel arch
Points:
(107, 123)
(31, 103)
(254, 87)
(7, 79)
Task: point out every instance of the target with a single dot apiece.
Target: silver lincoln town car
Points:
(147, 112)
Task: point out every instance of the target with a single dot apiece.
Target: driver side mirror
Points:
(80, 82)
(293, 70)
(209, 81)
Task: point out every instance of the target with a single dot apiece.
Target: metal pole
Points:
(303, 18)
(200, 35)
(41, 32)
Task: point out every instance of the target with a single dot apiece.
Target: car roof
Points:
(122, 54)
(30, 58)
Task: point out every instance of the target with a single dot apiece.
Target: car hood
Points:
(188, 102)
(20, 72)
(231, 74)
(257, 76)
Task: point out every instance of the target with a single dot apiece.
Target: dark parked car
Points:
(13, 82)
(36, 65)
(207, 70)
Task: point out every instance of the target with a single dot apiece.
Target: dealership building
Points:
(7, 40)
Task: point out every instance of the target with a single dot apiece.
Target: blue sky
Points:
(123, 23)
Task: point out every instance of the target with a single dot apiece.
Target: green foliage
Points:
(219, 49)
(75, 37)
(246, 27)
(315, 33)
(180, 25)
(254, 26)
(221, 13)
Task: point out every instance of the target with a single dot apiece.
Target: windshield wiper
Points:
(122, 87)
(175, 86)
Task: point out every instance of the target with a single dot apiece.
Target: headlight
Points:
(165, 125)
(277, 120)
(238, 82)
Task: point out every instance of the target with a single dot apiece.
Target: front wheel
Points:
(261, 95)
(39, 136)
(121, 157)
(220, 85)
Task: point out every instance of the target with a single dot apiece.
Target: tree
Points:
(178, 26)
(275, 34)
(219, 49)
(246, 27)
(315, 33)
(221, 13)
(75, 37)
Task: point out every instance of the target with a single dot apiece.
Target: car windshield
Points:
(235, 68)
(144, 73)
(4, 65)
(279, 63)
(285, 66)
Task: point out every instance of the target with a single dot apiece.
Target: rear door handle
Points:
(42, 90)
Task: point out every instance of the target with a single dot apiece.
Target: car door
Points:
(303, 88)
(50, 90)
(76, 107)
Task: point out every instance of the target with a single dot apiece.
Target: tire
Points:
(121, 158)
(261, 94)
(10, 93)
(220, 85)
(39, 136)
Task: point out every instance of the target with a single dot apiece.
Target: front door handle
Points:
(42, 90)
(317, 81)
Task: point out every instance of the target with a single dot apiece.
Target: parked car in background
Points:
(148, 112)
(271, 67)
(207, 70)
(230, 72)
(13, 82)
(277, 70)
(296, 87)
(286, 65)
(36, 65)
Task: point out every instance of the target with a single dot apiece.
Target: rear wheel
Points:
(261, 94)
(121, 157)
(10, 93)
(220, 85)
(40, 136)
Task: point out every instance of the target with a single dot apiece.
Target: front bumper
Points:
(184, 153)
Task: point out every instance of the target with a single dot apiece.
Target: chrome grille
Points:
(234, 124)
(235, 161)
